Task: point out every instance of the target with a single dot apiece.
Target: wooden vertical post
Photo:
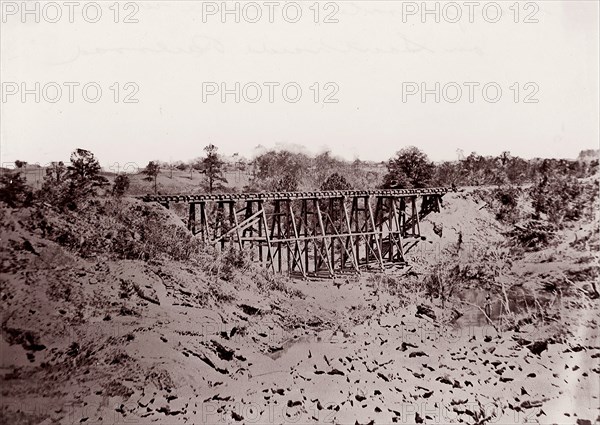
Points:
(324, 244)
(398, 221)
(377, 239)
(304, 218)
(220, 222)
(204, 222)
(350, 238)
(192, 218)
(416, 213)
(380, 221)
(260, 233)
(391, 228)
(412, 218)
(275, 224)
(279, 236)
(344, 251)
(250, 229)
(269, 247)
(236, 224)
(297, 242)
(288, 232)
(331, 215)
(354, 212)
(403, 216)
(316, 254)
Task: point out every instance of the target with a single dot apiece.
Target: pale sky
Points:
(369, 55)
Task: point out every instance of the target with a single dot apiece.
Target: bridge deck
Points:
(283, 196)
(314, 232)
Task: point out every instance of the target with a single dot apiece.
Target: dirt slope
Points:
(103, 340)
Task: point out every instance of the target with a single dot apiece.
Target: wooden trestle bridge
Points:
(313, 233)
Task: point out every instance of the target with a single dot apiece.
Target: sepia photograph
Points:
(347, 212)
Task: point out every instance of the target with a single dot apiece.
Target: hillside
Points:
(106, 321)
(168, 181)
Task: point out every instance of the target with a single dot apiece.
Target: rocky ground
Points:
(102, 340)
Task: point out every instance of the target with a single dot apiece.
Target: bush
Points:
(66, 187)
(335, 182)
(502, 201)
(533, 234)
(85, 169)
(14, 191)
(55, 189)
(117, 229)
(442, 280)
(507, 200)
(120, 185)
(152, 171)
(562, 198)
(410, 168)
(228, 262)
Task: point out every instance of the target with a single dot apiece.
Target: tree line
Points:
(409, 168)
(281, 170)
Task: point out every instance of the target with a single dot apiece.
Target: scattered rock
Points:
(423, 310)
(146, 293)
(538, 347)
(223, 352)
(531, 404)
(405, 346)
(250, 310)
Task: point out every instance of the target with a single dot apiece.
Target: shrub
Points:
(67, 186)
(410, 168)
(533, 234)
(14, 191)
(507, 199)
(562, 198)
(442, 280)
(279, 171)
(55, 189)
(335, 182)
(287, 183)
(152, 171)
(228, 261)
(120, 185)
(118, 229)
(85, 170)
(502, 201)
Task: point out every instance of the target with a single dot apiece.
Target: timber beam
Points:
(312, 233)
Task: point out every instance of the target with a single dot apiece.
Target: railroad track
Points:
(315, 232)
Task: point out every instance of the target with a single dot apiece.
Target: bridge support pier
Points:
(316, 233)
